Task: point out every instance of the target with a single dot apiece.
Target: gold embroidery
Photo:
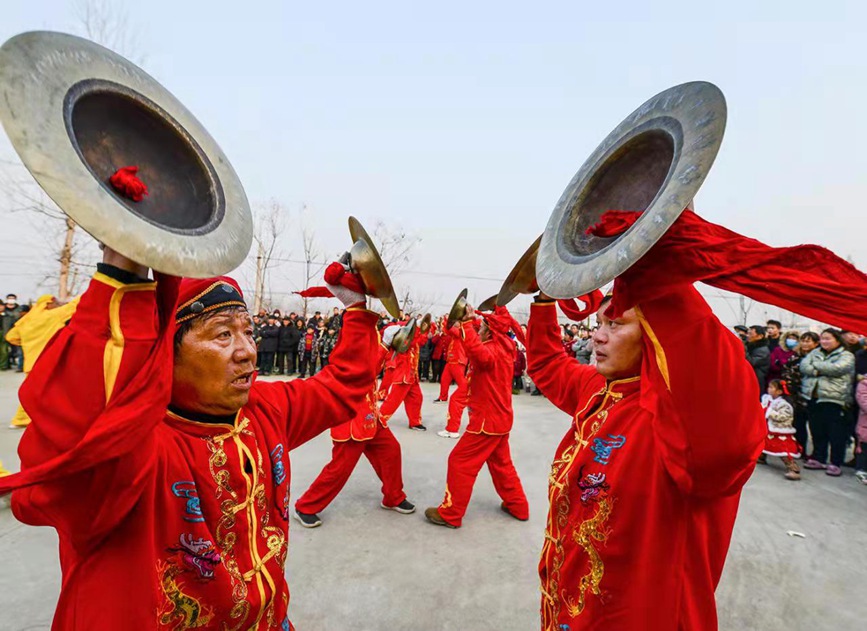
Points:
(588, 533)
(182, 610)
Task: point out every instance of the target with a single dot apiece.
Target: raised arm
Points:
(87, 365)
(308, 407)
(708, 423)
(479, 353)
(559, 377)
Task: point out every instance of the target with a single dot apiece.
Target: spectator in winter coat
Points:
(826, 382)
(520, 368)
(326, 345)
(772, 334)
(781, 355)
(438, 355)
(792, 377)
(758, 354)
(308, 353)
(424, 359)
(583, 346)
(861, 432)
(287, 346)
(268, 347)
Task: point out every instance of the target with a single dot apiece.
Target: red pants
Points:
(410, 395)
(383, 452)
(466, 460)
(458, 400)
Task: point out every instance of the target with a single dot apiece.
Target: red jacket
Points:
(406, 364)
(363, 425)
(190, 529)
(456, 353)
(642, 503)
(492, 366)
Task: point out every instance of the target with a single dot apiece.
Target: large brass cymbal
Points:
(366, 262)
(488, 304)
(654, 162)
(522, 278)
(404, 337)
(76, 112)
(459, 309)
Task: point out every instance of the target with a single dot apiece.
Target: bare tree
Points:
(312, 266)
(270, 224)
(395, 246)
(106, 22)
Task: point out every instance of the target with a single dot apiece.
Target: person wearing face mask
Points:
(826, 382)
(792, 376)
(781, 354)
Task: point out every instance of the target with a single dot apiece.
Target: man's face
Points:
(850, 338)
(11, 301)
(484, 332)
(617, 345)
(752, 336)
(214, 365)
(772, 330)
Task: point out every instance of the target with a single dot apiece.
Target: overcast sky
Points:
(463, 122)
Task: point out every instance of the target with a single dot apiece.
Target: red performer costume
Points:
(404, 385)
(486, 440)
(367, 434)
(455, 370)
(644, 487)
(169, 519)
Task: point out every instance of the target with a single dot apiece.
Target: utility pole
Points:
(260, 277)
(63, 289)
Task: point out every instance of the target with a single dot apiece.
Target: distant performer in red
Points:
(405, 385)
(491, 355)
(366, 434)
(455, 371)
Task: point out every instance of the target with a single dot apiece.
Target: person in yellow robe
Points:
(32, 333)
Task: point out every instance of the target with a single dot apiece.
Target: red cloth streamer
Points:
(571, 310)
(128, 184)
(806, 279)
(315, 292)
(112, 434)
(611, 225)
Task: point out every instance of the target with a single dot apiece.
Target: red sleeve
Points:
(308, 407)
(108, 340)
(479, 353)
(709, 422)
(558, 376)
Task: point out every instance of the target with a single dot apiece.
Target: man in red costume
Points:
(644, 487)
(367, 434)
(162, 463)
(404, 385)
(455, 370)
(491, 354)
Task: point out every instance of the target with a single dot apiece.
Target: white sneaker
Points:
(861, 475)
(447, 434)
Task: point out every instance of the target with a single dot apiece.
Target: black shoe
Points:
(418, 428)
(404, 508)
(306, 520)
(536, 393)
(440, 400)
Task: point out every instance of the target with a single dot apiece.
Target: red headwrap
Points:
(500, 322)
(592, 302)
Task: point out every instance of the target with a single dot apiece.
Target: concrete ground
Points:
(370, 570)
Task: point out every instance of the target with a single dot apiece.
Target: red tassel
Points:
(315, 292)
(127, 183)
(612, 223)
(336, 274)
